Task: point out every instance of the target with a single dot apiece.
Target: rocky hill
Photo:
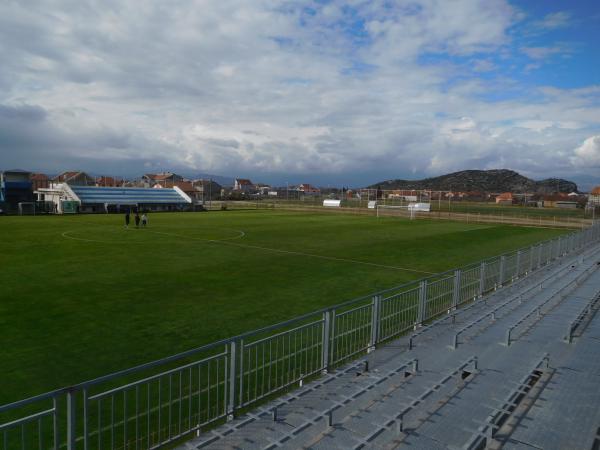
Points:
(500, 180)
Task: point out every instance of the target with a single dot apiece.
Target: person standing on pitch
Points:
(137, 219)
(127, 219)
(144, 220)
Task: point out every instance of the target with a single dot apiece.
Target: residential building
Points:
(106, 181)
(506, 198)
(209, 189)
(403, 194)
(263, 189)
(594, 198)
(243, 185)
(39, 180)
(308, 189)
(74, 178)
(165, 179)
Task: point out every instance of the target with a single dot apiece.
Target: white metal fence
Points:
(148, 406)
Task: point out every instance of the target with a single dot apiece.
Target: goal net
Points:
(27, 208)
(395, 211)
(411, 210)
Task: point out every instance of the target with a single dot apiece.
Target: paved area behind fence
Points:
(509, 379)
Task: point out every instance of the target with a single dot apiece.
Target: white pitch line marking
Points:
(331, 258)
(242, 234)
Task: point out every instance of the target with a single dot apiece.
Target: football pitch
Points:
(82, 296)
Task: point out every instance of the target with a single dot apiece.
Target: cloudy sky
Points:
(328, 92)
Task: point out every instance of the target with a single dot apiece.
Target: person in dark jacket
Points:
(137, 219)
(127, 219)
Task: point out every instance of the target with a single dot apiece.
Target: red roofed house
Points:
(594, 198)
(191, 191)
(308, 189)
(39, 180)
(505, 198)
(165, 179)
(243, 185)
(106, 182)
(75, 178)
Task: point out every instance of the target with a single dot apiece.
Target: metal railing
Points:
(537, 311)
(586, 312)
(148, 406)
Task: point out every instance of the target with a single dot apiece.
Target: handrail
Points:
(579, 319)
(538, 308)
(492, 313)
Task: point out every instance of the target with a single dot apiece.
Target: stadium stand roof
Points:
(128, 196)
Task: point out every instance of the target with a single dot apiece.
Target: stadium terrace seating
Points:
(127, 196)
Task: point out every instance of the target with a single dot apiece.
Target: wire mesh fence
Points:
(154, 404)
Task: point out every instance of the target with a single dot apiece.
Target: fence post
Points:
(325, 340)
(374, 322)
(422, 302)
(502, 265)
(518, 263)
(86, 413)
(531, 253)
(456, 292)
(232, 379)
(482, 279)
(71, 420)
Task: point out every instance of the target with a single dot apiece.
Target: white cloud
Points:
(588, 153)
(239, 87)
(546, 52)
(552, 21)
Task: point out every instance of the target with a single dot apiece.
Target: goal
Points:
(395, 211)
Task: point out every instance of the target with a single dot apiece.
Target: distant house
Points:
(165, 179)
(263, 189)
(474, 196)
(308, 189)
(505, 198)
(209, 189)
(408, 195)
(74, 178)
(559, 200)
(106, 182)
(199, 191)
(594, 198)
(39, 180)
(243, 185)
(188, 188)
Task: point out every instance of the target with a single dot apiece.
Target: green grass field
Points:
(81, 296)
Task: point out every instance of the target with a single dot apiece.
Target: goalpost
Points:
(26, 208)
(401, 211)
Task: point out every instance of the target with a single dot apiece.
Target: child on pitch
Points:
(137, 219)
(127, 219)
(144, 220)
